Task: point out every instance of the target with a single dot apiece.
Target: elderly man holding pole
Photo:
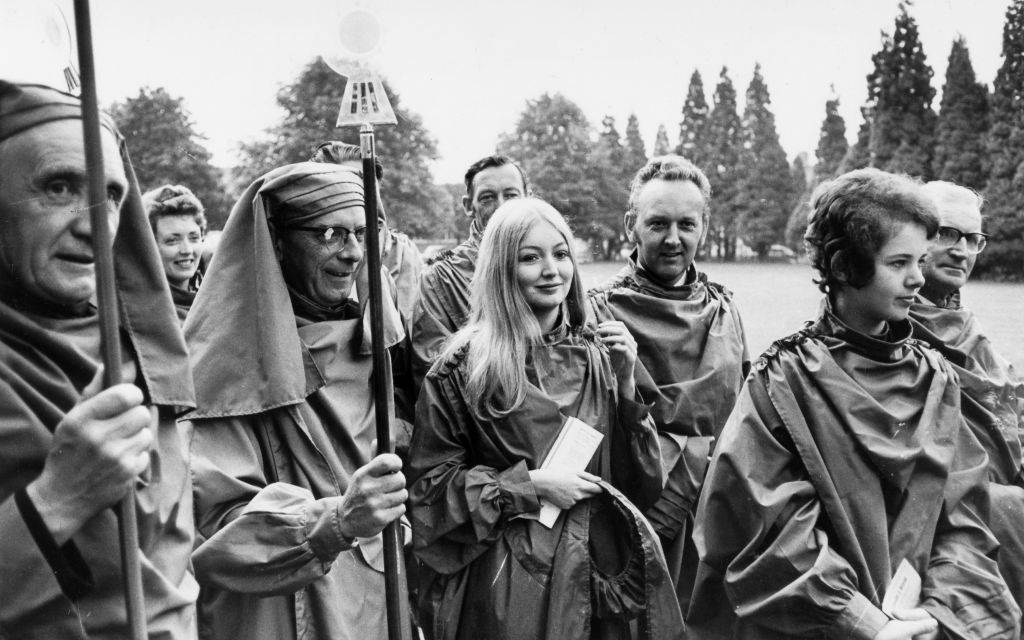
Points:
(290, 496)
(68, 450)
(692, 352)
(992, 398)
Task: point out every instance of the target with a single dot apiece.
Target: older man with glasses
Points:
(289, 496)
(992, 394)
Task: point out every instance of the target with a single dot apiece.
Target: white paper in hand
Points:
(572, 451)
(904, 591)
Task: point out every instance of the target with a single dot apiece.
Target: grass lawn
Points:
(775, 300)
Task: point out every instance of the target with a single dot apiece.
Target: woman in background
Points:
(176, 217)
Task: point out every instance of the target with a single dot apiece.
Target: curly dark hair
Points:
(854, 215)
(173, 200)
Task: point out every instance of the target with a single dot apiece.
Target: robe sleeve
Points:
(962, 587)
(458, 509)
(762, 552)
(37, 584)
(259, 537)
(639, 475)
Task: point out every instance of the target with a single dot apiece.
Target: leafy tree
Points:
(1004, 192)
(636, 153)
(963, 123)
(661, 143)
(859, 155)
(724, 131)
(832, 144)
(765, 195)
(693, 129)
(311, 103)
(166, 148)
(903, 124)
(552, 142)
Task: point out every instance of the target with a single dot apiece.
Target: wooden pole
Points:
(106, 301)
(395, 586)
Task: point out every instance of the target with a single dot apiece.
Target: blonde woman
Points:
(489, 411)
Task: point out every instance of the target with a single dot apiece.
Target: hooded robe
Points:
(47, 359)
(993, 406)
(845, 455)
(488, 570)
(284, 417)
(691, 361)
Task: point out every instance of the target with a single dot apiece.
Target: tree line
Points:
(760, 199)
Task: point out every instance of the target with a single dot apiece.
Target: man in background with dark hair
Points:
(992, 399)
(691, 349)
(443, 305)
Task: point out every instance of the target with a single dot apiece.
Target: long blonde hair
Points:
(502, 327)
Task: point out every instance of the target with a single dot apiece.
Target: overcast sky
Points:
(468, 68)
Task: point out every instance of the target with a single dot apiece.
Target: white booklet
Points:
(571, 451)
(904, 591)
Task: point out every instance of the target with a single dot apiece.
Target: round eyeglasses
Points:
(949, 236)
(335, 237)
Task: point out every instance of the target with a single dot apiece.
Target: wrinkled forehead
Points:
(56, 146)
(960, 213)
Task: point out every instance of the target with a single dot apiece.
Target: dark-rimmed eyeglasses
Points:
(335, 237)
(949, 236)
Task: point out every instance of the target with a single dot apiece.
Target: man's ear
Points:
(466, 206)
(706, 223)
(629, 222)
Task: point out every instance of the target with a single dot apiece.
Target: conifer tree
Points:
(832, 144)
(610, 177)
(960, 134)
(635, 155)
(721, 165)
(1004, 192)
(765, 195)
(693, 129)
(661, 143)
(903, 123)
(859, 155)
(803, 182)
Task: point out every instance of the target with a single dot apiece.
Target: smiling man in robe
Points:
(691, 346)
(290, 497)
(69, 451)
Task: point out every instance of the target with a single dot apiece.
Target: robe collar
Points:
(890, 346)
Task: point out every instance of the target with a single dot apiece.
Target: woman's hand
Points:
(564, 488)
(622, 348)
(910, 624)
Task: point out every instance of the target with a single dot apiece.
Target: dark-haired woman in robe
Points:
(846, 466)
(489, 412)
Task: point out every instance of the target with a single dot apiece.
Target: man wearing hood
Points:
(692, 352)
(289, 496)
(992, 399)
(68, 451)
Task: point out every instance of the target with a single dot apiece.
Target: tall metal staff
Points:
(365, 104)
(106, 301)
